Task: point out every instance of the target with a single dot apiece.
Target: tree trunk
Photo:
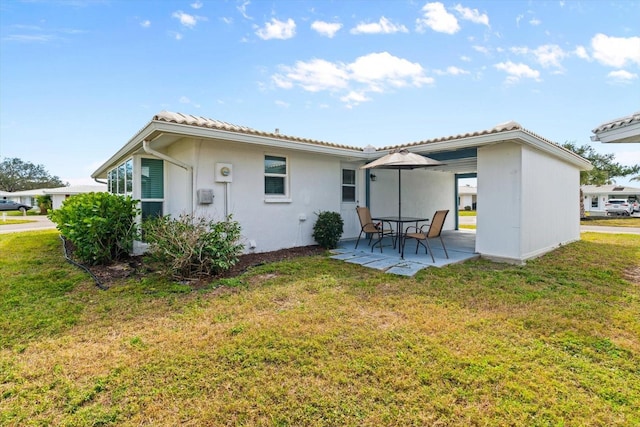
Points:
(582, 211)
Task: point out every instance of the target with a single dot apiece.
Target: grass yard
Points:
(320, 342)
(612, 221)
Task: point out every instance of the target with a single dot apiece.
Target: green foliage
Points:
(328, 229)
(18, 175)
(101, 226)
(44, 203)
(605, 170)
(189, 247)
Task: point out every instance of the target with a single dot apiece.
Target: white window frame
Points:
(277, 198)
(343, 185)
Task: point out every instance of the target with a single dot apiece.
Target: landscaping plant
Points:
(328, 229)
(101, 226)
(191, 247)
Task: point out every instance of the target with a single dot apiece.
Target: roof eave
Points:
(517, 135)
(629, 133)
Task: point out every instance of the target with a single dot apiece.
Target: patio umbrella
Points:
(401, 159)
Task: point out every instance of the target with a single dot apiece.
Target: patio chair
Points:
(422, 236)
(368, 226)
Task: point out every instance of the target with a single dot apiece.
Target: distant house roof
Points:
(76, 189)
(610, 189)
(625, 129)
(467, 189)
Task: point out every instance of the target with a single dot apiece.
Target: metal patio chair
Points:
(422, 236)
(368, 226)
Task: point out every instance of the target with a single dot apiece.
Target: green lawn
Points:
(318, 342)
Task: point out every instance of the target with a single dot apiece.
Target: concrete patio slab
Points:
(460, 246)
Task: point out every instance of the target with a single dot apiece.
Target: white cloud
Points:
(548, 55)
(438, 19)
(372, 73)
(196, 4)
(452, 71)
(243, 10)
(328, 29)
(515, 72)
(465, 58)
(384, 26)
(187, 20)
(481, 49)
(145, 24)
(582, 53)
(175, 35)
(277, 30)
(354, 98)
(621, 76)
(616, 51)
(535, 22)
(313, 76)
(472, 15)
(282, 104)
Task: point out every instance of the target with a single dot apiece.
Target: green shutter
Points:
(152, 179)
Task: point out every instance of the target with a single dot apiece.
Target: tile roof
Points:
(503, 127)
(187, 119)
(617, 123)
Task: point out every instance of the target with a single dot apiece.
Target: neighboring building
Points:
(60, 194)
(595, 196)
(625, 129)
(467, 197)
(274, 184)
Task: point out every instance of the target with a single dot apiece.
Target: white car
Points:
(618, 207)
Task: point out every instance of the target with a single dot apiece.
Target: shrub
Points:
(189, 247)
(101, 226)
(328, 229)
(467, 208)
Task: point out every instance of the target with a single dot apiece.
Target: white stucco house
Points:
(622, 130)
(58, 194)
(596, 196)
(274, 184)
(467, 197)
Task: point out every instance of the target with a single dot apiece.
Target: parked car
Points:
(618, 207)
(10, 205)
(636, 205)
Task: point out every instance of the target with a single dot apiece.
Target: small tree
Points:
(101, 226)
(44, 203)
(328, 229)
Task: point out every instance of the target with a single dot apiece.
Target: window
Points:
(594, 201)
(348, 185)
(120, 178)
(275, 176)
(151, 187)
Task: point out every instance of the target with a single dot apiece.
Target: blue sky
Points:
(78, 78)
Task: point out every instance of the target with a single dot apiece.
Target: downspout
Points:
(100, 182)
(146, 145)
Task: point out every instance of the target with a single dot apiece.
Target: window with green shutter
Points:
(151, 179)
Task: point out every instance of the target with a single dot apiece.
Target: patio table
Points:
(400, 221)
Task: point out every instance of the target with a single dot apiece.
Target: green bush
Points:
(328, 229)
(189, 247)
(101, 226)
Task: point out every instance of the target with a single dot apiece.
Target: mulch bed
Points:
(134, 266)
